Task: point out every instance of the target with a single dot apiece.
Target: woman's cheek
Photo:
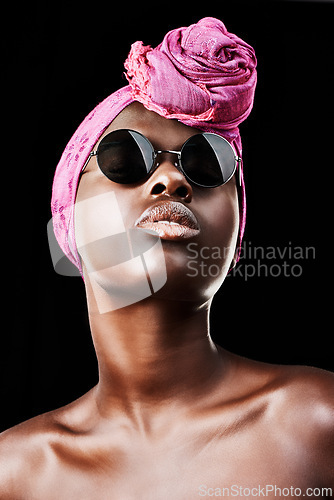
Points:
(220, 221)
(122, 265)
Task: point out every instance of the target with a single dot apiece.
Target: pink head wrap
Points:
(202, 75)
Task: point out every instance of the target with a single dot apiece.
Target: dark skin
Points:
(173, 414)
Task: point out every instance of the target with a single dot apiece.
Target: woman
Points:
(154, 172)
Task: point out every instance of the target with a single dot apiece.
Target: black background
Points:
(58, 64)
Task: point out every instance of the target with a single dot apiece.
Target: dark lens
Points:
(208, 160)
(125, 156)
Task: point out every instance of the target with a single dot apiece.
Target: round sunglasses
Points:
(205, 159)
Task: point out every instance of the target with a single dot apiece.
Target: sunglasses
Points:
(126, 157)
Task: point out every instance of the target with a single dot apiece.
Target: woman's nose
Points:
(168, 180)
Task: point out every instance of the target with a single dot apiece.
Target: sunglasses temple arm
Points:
(239, 163)
(92, 153)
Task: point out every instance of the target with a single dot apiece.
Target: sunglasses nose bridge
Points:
(176, 163)
(167, 180)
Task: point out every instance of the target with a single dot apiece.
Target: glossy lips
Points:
(170, 219)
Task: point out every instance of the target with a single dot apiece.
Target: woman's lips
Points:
(170, 219)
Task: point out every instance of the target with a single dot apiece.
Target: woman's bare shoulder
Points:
(299, 404)
(309, 398)
(299, 382)
(305, 391)
(22, 450)
(294, 389)
(25, 449)
(305, 416)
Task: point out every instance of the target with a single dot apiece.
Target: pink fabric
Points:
(202, 76)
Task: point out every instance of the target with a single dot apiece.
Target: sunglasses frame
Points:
(178, 164)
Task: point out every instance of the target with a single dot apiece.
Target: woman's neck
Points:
(152, 354)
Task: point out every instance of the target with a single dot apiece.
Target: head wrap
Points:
(201, 75)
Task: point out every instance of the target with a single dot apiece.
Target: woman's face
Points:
(189, 266)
